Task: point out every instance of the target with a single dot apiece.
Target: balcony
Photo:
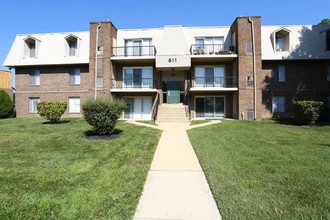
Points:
(134, 85)
(214, 84)
(203, 52)
(133, 53)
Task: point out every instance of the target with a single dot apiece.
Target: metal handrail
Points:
(134, 83)
(132, 51)
(212, 49)
(155, 107)
(225, 82)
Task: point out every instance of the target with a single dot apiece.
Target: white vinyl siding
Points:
(75, 76)
(33, 104)
(34, 77)
(278, 104)
(74, 105)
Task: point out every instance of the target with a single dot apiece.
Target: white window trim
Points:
(67, 45)
(37, 75)
(77, 77)
(27, 49)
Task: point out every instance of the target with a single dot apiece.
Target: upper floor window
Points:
(278, 104)
(137, 77)
(34, 77)
(210, 76)
(281, 39)
(278, 74)
(328, 39)
(30, 47)
(209, 45)
(75, 76)
(138, 47)
(72, 45)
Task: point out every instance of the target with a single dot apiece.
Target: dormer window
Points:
(72, 45)
(328, 39)
(30, 47)
(281, 39)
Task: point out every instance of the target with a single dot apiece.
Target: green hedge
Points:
(307, 112)
(51, 110)
(103, 114)
(6, 105)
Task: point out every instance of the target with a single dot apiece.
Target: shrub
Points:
(6, 105)
(307, 112)
(51, 110)
(103, 114)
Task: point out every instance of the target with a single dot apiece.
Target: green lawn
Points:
(196, 122)
(265, 170)
(53, 172)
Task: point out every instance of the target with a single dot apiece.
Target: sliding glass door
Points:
(210, 107)
(138, 108)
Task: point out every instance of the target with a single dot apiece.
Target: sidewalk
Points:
(176, 187)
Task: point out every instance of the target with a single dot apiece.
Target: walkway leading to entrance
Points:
(176, 187)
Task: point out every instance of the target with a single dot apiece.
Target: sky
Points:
(47, 16)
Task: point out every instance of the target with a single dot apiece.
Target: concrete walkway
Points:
(176, 187)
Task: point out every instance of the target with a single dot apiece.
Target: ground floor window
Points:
(74, 105)
(138, 108)
(210, 107)
(278, 104)
(33, 104)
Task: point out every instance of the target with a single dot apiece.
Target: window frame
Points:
(277, 106)
(327, 40)
(74, 110)
(33, 104)
(143, 84)
(75, 76)
(34, 78)
(216, 83)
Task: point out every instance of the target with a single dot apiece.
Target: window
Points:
(34, 77)
(278, 74)
(327, 101)
(249, 48)
(74, 105)
(210, 107)
(99, 81)
(328, 73)
(250, 114)
(278, 104)
(138, 77)
(30, 47)
(249, 81)
(33, 104)
(328, 39)
(209, 45)
(138, 47)
(281, 39)
(75, 76)
(71, 45)
(209, 76)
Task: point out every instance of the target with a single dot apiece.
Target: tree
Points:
(6, 105)
(325, 21)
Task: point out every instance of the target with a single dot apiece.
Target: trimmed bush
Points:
(6, 105)
(103, 114)
(51, 110)
(307, 112)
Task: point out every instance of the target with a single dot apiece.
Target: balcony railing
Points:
(134, 83)
(212, 49)
(133, 51)
(215, 82)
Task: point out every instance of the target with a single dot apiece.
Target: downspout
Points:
(254, 70)
(95, 70)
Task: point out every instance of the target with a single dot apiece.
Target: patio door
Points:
(138, 108)
(210, 107)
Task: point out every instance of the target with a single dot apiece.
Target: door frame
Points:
(203, 96)
(168, 92)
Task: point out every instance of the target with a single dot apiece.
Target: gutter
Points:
(254, 70)
(95, 70)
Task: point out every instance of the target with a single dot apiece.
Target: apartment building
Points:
(5, 82)
(243, 71)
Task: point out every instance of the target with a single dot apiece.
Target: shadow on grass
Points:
(58, 123)
(92, 135)
(296, 122)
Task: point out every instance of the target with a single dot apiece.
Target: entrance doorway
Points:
(173, 92)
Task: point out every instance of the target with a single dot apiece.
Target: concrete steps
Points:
(172, 113)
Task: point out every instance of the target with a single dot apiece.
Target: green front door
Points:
(173, 92)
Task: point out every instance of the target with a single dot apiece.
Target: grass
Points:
(53, 172)
(266, 170)
(149, 122)
(196, 122)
